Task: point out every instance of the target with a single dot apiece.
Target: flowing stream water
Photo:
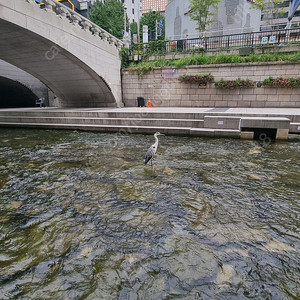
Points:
(82, 217)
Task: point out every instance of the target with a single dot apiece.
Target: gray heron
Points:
(152, 150)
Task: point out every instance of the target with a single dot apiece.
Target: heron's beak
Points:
(162, 134)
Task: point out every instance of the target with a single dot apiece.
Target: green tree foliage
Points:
(272, 9)
(109, 16)
(133, 29)
(200, 12)
(150, 20)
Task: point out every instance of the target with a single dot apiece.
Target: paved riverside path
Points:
(176, 110)
(205, 121)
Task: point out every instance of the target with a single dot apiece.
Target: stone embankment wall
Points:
(165, 90)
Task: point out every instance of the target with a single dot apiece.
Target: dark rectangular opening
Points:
(262, 133)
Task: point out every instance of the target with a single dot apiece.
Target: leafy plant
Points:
(110, 16)
(196, 78)
(203, 59)
(234, 84)
(124, 54)
(200, 11)
(282, 82)
(150, 20)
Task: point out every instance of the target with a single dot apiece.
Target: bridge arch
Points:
(15, 94)
(81, 68)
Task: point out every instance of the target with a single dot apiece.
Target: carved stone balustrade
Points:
(78, 20)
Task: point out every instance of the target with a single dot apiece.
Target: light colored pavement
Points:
(205, 121)
(217, 110)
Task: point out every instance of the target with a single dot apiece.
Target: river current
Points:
(82, 217)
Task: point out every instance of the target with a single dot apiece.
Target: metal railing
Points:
(221, 42)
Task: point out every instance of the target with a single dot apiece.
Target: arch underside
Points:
(15, 94)
(72, 81)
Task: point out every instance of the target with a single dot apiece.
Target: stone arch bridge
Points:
(75, 58)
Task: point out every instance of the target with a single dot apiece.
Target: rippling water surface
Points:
(81, 217)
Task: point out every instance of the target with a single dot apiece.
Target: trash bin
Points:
(141, 101)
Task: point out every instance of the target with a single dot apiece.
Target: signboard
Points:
(272, 39)
(161, 24)
(264, 40)
(145, 33)
(170, 73)
(293, 7)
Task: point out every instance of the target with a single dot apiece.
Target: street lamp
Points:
(125, 33)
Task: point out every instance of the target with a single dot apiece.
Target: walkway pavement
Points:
(218, 110)
(204, 121)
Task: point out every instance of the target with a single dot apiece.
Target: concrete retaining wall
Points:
(164, 88)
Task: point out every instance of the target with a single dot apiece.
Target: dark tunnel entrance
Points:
(15, 94)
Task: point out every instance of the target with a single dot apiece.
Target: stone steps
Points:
(295, 128)
(132, 129)
(103, 114)
(184, 122)
(109, 113)
(133, 122)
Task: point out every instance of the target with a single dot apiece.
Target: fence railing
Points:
(219, 42)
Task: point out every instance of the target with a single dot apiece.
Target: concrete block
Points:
(249, 97)
(221, 122)
(295, 127)
(186, 103)
(265, 122)
(282, 134)
(261, 97)
(191, 91)
(221, 104)
(258, 104)
(232, 103)
(247, 91)
(204, 97)
(273, 98)
(198, 103)
(216, 97)
(284, 91)
(271, 91)
(247, 135)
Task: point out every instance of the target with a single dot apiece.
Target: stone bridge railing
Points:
(76, 19)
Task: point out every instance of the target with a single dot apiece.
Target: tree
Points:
(133, 29)
(200, 11)
(150, 19)
(271, 9)
(109, 16)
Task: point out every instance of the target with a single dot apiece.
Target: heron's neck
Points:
(156, 141)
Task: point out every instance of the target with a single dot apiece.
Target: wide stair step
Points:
(104, 121)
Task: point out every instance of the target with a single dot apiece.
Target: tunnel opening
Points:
(15, 94)
(263, 133)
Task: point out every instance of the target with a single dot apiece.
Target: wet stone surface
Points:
(81, 217)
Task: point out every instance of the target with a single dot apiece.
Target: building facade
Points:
(232, 17)
(157, 5)
(273, 21)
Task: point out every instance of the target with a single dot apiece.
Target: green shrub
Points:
(196, 78)
(124, 54)
(282, 82)
(234, 84)
(203, 59)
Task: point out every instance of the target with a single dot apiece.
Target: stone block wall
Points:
(165, 90)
